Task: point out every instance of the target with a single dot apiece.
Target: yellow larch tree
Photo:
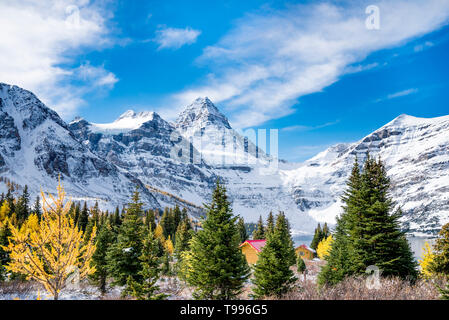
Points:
(168, 245)
(324, 247)
(426, 261)
(52, 250)
(4, 211)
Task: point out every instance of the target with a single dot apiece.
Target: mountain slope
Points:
(142, 144)
(36, 146)
(416, 155)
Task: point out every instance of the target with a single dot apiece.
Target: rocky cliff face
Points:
(37, 146)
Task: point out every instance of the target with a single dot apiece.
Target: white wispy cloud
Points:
(303, 128)
(40, 43)
(175, 38)
(269, 60)
(402, 93)
(398, 94)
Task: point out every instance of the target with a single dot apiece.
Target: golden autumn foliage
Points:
(159, 233)
(4, 211)
(426, 261)
(52, 250)
(168, 245)
(324, 247)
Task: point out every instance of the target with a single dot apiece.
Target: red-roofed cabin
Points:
(305, 252)
(251, 249)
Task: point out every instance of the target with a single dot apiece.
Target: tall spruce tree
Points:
(37, 207)
(272, 273)
(84, 218)
(123, 255)
(22, 209)
(104, 240)
(368, 231)
(317, 237)
(242, 230)
(217, 269)
(270, 223)
(146, 288)
(259, 233)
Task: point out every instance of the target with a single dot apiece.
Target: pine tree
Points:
(37, 207)
(146, 288)
(326, 232)
(217, 268)
(272, 273)
(183, 236)
(177, 216)
(270, 223)
(259, 233)
(150, 220)
(5, 233)
(242, 230)
(93, 220)
(300, 264)
(22, 208)
(440, 264)
(368, 232)
(123, 255)
(116, 219)
(10, 199)
(84, 218)
(317, 237)
(104, 240)
(167, 222)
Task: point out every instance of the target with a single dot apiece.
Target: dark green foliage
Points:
(37, 207)
(150, 220)
(123, 255)
(368, 232)
(22, 209)
(5, 232)
(444, 293)
(242, 230)
(183, 236)
(272, 273)
(300, 264)
(168, 223)
(270, 223)
(146, 288)
(317, 237)
(104, 240)
(259, 233)
(166, 269)
(218, 268)
(84, 218)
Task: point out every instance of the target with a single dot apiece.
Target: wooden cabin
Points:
(305, 252)
(251, 250)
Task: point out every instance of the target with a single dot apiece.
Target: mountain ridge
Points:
(105, 161)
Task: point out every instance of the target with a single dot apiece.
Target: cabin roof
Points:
(256, 244)
(304, 246)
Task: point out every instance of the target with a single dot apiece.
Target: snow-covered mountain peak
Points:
(129, 120)
(405, 120)
(200, 114)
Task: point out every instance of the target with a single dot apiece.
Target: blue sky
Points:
(308, 68)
